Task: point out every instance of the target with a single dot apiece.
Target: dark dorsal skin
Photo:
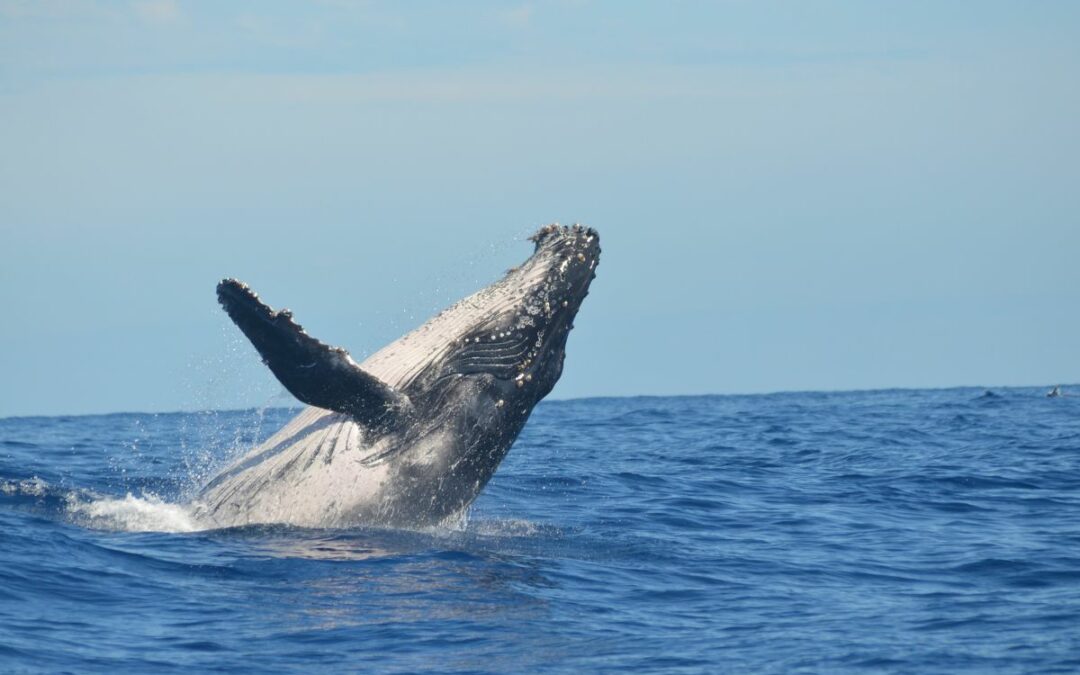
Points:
(419, 428)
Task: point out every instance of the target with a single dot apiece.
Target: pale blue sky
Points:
(790, 195)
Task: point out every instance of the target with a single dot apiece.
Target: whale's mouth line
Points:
(565, 262)
(522, 320)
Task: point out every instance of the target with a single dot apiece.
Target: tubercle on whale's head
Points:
(568, 257)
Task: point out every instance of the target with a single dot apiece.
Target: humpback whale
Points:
(410, 436)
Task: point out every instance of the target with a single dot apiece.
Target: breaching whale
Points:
(409, 437)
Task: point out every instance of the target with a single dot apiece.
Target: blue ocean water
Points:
(912, 531)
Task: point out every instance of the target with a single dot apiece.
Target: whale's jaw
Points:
(515, 330)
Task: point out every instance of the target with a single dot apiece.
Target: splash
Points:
(148, 513)
(30, 487)
(510, 527)
(86, 508)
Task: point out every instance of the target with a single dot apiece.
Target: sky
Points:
(802, 195)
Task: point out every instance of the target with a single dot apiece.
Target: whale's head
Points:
(506, 344)
(553, 283)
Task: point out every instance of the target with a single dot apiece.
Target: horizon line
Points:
(780, 392)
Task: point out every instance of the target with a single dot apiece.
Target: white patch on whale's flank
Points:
(296, 480)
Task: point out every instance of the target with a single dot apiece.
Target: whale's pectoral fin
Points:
(315, 373)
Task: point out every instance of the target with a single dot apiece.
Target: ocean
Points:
(897, 531)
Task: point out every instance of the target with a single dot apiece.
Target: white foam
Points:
(512, 527)
(134, 514)
(31, 487)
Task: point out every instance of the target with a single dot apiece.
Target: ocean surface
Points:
(905, 531)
